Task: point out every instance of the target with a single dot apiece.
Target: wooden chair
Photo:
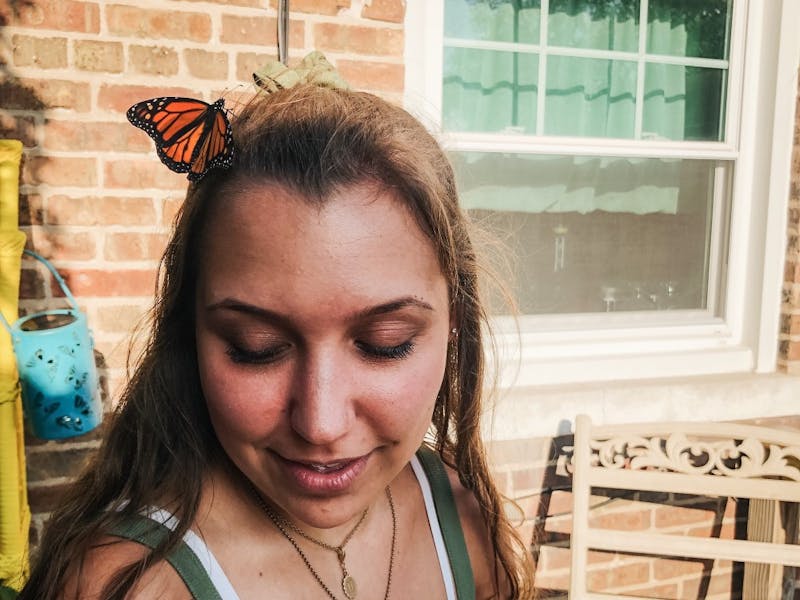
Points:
(702, 459)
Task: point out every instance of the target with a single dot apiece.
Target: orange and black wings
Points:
(191, 136)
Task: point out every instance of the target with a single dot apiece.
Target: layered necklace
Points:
(348, 584)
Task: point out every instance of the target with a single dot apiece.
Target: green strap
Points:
(150, 533)
(449, 523)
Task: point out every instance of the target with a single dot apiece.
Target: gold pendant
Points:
(349, 587)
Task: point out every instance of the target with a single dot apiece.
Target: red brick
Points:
(206, 65)
(170, 208)
(527, 479)
(118, 318)
(153, 60)
(625, 520)
(134, 246)
(251, 3)
(62, 15)
(107, 210)
(671, 568)
(259, 31)
(151, 23)
(794, 325)
(57, 462)
(120, 97)
(793, 351)
(31, 211)
(248, 63)
(16, 127)
(379, 77)
(550, 581)
(725, 531)
(666, 590)
(672, 516)
(560, 502)
(120, 282)
(44, 53)
(384, 10)
(92, 55)
(359, 40)
(45, 498)
(627, 574)
(319, 7)
(552, 558)
(60, 170)
(63, 244)
(31, 284)
(38, 94)
(137, 174)
(109, 136)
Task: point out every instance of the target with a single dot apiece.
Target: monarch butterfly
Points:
(191, 136)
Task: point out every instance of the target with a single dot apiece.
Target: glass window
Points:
(601, 230)
(599, 74)
(597, 234)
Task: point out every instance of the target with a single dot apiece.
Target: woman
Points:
(318, 316)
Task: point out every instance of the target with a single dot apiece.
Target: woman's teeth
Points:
(328, 467)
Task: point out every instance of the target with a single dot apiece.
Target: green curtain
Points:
(497, 90)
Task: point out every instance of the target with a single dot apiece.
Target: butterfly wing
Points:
(191, 136)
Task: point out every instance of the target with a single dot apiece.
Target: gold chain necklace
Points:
(348, 583)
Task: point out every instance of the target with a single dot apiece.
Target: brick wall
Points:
(789, 344)
(98, 204)
(95, 200)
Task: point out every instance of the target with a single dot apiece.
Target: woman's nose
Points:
(321, 409)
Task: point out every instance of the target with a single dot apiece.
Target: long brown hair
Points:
(159, 443)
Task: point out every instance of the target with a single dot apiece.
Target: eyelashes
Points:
(256, 357)
(388, 352)
(272, 354)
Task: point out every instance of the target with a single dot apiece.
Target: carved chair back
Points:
(700, 459)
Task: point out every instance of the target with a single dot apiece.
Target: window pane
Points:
(593, 234)
(601, 25)
(498, 21)
(590, 97)
(489, 91)
(688, 28)
(683, 103)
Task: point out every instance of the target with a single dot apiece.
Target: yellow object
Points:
(15, 515)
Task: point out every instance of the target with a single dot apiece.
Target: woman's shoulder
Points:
(477, 537)
(110, 554)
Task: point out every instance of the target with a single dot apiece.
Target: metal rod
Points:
(283, 31)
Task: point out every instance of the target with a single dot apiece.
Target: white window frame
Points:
(759, 127)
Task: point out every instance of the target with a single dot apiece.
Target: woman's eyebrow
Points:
(276, 317)
(393, 306)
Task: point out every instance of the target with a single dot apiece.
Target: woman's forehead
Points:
(266, 240)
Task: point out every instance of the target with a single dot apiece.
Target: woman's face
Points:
(322, 341)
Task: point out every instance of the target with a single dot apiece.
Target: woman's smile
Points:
(324, 477)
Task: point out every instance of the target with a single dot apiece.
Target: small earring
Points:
(454, 331)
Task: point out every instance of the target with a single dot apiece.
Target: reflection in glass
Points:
(592, 234)
(683, 103)
(688, 28)
(501, 21)
(593, 24)
(489, 91)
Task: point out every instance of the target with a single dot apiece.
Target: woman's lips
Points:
(323, 477)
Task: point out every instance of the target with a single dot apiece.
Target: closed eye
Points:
(397, 352)
(256, 357)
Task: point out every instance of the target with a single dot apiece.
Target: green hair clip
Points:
(314, 68)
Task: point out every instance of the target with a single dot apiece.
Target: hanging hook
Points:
(283, 31)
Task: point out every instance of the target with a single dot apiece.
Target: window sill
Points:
(528, 411)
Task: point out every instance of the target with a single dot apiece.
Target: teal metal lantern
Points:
(57, 373)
